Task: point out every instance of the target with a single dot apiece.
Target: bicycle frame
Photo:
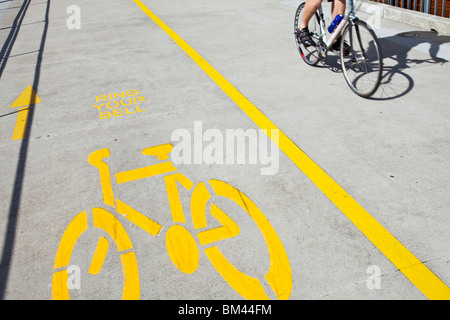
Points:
(171, 177)
(349, 17)
(355, 49)
(182, 248)
(278, 276)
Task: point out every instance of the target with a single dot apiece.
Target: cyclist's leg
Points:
(337, 7)
(311, 6)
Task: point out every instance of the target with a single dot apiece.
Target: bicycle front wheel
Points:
(363, 65)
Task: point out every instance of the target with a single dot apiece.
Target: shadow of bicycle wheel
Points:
(397, 53)
(394, 84)
(397, 59)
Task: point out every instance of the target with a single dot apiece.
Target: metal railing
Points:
(435, 7)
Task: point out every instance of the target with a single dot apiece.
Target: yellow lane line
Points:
(425, 280)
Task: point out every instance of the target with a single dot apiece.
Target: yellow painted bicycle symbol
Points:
(181, 246)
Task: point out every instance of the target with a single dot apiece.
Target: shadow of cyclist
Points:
(396, 51)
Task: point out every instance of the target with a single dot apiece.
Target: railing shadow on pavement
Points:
(14, 208)
(12, 36)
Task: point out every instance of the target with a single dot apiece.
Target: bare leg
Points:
(311, 7)
(337, 7)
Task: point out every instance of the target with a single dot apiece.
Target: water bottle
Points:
(335, 23)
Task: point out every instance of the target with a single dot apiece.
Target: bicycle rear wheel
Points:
(363, 66)
(311, 55)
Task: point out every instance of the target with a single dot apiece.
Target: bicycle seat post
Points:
(96, 159)
(351, 10)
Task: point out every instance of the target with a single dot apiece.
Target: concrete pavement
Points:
(351, 182)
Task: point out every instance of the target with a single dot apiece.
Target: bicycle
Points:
(181, 245)
(362, 67)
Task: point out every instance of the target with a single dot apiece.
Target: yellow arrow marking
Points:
(27, 97)
(21, 123)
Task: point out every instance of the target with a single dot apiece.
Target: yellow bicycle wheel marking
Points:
(248, 287)
(60, 289)
(425, 280)
(131, 285)
(73, 231)
(228, 229)
(99, 255)
(78, 225)
(106, 221)
(279, 275)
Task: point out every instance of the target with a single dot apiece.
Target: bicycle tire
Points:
(311, 55)
(363, 66)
